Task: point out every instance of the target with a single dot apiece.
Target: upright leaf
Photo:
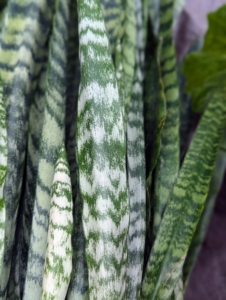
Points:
(3, 170)
(154, 119)
(136, 171)
(186, 204)
(102, 159)
(128, 53)
(58, 260)
(112, 10)
(167, 166)
(22, 37)
(51, 141)
(78, 288)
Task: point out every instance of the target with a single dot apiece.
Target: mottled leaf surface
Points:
(101, 159)
(51, 141)
(21, 38)
(136, 171)
(198, 238)
(167, 165)
(185, 204)
(58, 260)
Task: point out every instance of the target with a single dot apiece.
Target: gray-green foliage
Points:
(93, 201)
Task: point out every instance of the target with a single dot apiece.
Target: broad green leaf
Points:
(51, 141)
(167, 165)
(210, 62)
(128, 53)
(198, 238)
(101, 159)
(22, 38)
(136, 172)
(186, 203)
(3, 170)
(58, 260)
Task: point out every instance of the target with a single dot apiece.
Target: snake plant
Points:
(94, 203)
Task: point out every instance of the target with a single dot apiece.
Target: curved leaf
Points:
(51, 141)
(185, 204)
(101, 159)
(198, 238)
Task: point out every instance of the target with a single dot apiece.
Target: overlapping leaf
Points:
(186, 204)
(51, 142)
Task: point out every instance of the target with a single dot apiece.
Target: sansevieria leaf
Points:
(136, 171)
(3, 170)
(101, 159)
(112, 10)
(51, 141)
(58, 260)
(21, 36)
(167, 166)
(78, 288)
(215, 185)
(128, 53)
(185, 204)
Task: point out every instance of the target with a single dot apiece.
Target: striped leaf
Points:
(112, 10)
(186, 204)
(154, 118)
(168, 162)
(36, 113)
(51, 141)
(78, 288)
(128, 53)
(28, 198)
(102, 159)
(136, 172)
(3, 170)
(58, 260)
(21, 39)
(198, 238)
